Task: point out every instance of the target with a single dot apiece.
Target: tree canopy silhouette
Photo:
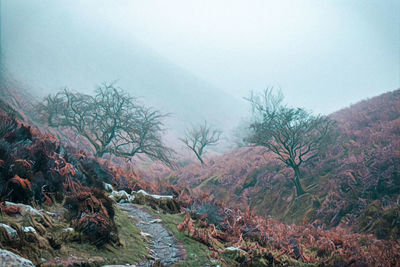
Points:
(111, 120)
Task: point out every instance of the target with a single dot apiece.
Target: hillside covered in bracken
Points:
(237, 209)
(359, 171)
(354, 185)
(199, 133)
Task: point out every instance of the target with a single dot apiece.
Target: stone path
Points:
(163, 244)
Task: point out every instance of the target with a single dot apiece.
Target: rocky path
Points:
(164, 247)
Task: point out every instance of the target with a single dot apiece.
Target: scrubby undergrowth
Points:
(263, 242)
(74, 216)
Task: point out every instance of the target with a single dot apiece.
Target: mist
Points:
(199, 133)
(198, 59)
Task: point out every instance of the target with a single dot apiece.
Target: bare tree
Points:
(141, 133)
(199, 137)
(111, 120)
(293, 134)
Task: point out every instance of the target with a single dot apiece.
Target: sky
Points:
(323, 55)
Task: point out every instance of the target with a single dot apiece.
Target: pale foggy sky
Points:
(324, 55)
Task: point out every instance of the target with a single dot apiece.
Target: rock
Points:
(234, 249)
(11, 231)
(153, 196)
(69, 229)
(118, 196)
(108, 187)
(236, 254)
(145, 234)
(155, 221)
(9, 259)
(157, 202)
(28, 229)
(24, 209)
(131, 199)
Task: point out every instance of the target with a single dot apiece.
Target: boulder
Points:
(11, 231)
(120, 196)
(164, 203)
(153, 196)
(7, 258)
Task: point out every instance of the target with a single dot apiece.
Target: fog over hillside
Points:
(199, 133)
(198, 60)
(64, 52)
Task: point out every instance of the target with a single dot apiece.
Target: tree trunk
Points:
(99, 154)
(296, 181)
(199, 157)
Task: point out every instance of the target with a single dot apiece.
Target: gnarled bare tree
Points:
(293, 134)
(141, 133)
(111, 120)
(197, 138)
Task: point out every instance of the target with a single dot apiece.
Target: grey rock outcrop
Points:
(9, 259)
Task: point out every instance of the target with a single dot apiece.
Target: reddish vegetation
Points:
(92, 214)
(354, 187)
(361, 167)
(268, 240)
(9, 210)
(35, 167)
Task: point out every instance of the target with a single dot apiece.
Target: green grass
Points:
(133, 249)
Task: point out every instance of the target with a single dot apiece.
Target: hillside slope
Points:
(76, 222)
(361, 169)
